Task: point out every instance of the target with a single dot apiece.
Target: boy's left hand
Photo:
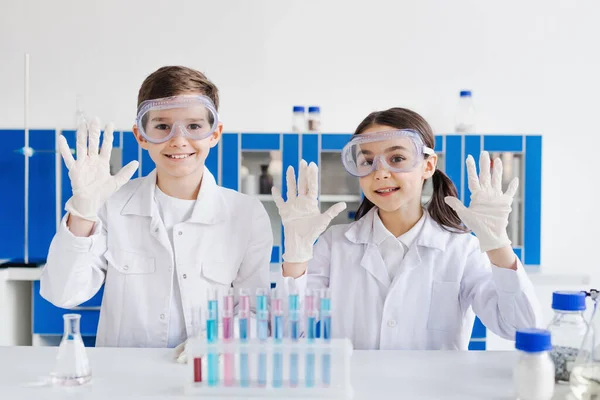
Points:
(487, 215)
(180, 354)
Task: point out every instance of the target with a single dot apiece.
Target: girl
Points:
(402, 276)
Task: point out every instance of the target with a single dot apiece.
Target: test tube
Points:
(277, 311)
(212, 335)
(310, 311)
(244, 324)
(326, 314)
(326, 335)
(228, 358)
(262, 332)
(244, 314)
(294, 320)
(197, 326)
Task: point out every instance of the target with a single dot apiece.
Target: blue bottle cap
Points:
(568, 301)
(299, 109)
(533, 340)
(465, 93)
(314, 109)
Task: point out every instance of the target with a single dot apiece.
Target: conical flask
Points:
(585, 377)
(72, 367)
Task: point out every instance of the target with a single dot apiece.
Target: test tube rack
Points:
(269, 368)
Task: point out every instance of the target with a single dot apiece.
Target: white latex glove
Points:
(302, 220)
(487, 215)
(180, 354)
(90, 176)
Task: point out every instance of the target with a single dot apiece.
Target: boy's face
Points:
(180, 156)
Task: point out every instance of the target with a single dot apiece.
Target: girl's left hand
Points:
(487, 215)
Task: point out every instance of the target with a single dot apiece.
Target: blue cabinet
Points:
(42, 190)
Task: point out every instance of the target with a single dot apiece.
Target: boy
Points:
(159, 243)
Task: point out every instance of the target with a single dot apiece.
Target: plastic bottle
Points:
(534, 373)
(568, 329)
(314, 119)
(465, 113)
(585, 377)
(299, 119)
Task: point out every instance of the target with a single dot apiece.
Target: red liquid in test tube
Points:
(197, 369)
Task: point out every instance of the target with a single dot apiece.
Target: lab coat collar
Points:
(432, 235)
(381, 234)
(373, 262)
(210, 207)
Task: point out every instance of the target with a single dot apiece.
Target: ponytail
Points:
(441, 212)
(363, 209)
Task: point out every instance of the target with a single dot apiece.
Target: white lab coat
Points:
(227, 241)
(430, 304)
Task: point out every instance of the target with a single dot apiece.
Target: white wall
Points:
(533, 67)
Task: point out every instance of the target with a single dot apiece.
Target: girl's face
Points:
(391, 191)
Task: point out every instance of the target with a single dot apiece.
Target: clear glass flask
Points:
(72, 367)
(585, 377)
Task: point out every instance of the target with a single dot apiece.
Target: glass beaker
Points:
(72, 367)
(585, 377)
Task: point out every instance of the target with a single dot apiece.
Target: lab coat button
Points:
(184, 276)
(180, 233)
(392, 323)
(162, 316)
(125, 267)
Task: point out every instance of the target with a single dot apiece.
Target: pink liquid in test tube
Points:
(228, 358)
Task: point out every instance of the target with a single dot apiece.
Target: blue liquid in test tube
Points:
(212, 335)
(262, 332)
(244, 322)
(294, 316)
(326, 335)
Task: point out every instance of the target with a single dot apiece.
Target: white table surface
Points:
(142, 373)
(21, 274)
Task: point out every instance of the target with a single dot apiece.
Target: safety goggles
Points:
(193, 116)
(398, 151)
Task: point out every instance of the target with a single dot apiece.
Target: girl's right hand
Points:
(302, 220)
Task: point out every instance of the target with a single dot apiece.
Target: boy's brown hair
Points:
(175, 80)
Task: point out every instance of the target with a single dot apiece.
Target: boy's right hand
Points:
(302, 220)
(90, 176)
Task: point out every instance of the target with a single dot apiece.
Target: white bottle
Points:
(299, 120)
(465, 113)
(314, 119)
(534, 373)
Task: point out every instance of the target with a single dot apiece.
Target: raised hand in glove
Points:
(90, 176)
(487, 215)
(302, 220)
